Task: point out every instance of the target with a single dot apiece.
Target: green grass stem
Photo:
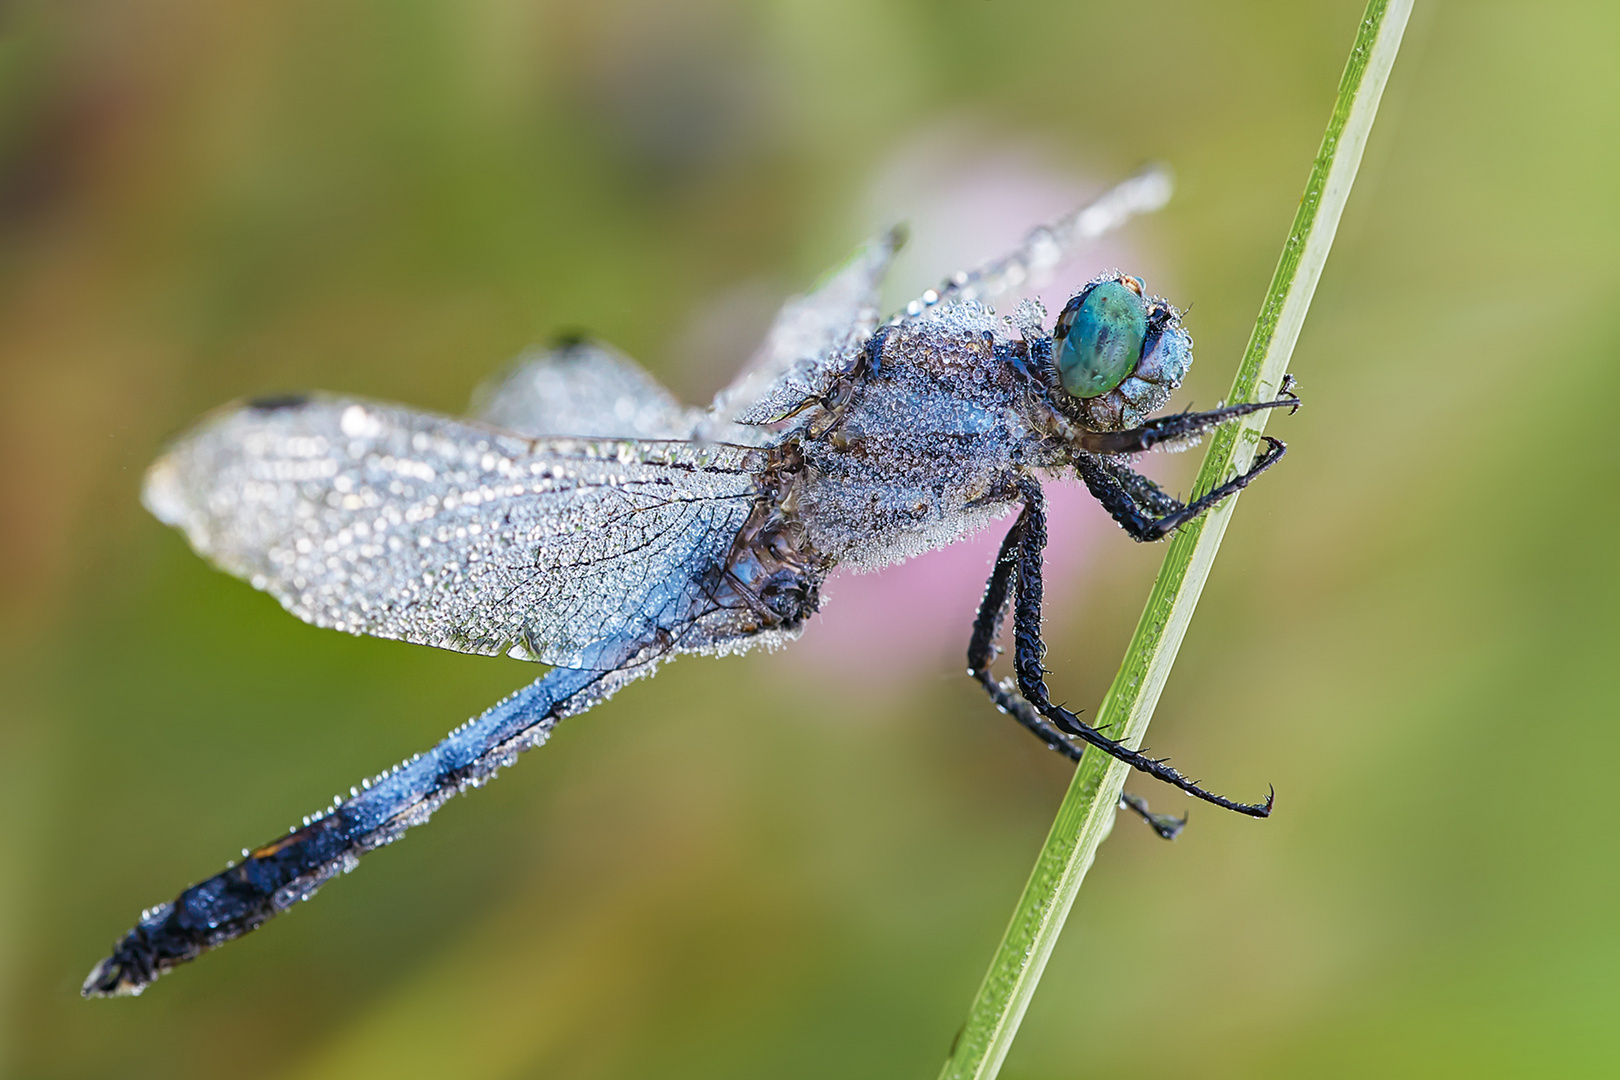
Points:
(1088, 809)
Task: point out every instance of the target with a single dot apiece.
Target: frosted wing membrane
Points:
(1047, 245)
(582, 388)
(381, 520)
(811, 337)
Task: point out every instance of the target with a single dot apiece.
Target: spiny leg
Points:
(1108, 490)
(1148, 495)
(981, 654)
(982, 646)
(1030, 650)
(1134, 500)
(1167, 826)
(1174, 428)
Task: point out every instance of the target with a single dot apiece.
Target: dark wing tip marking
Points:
(277, 402)
(569, 339)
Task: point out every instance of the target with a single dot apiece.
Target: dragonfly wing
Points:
(582, 388)
(813, 337)
(378, 519)
(1047, 245)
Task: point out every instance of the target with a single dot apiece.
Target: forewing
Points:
(812, 337)
(381, 520)
(582, 388)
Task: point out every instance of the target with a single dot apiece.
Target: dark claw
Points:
(1286, 390)
(1166, 826)
(1257, 810)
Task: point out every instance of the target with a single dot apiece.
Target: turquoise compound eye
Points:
(1103, 343)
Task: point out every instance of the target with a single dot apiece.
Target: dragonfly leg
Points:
(1177, 427)
(1030, 651)
(1147, 495)
(1106, 484)
(982, 646)
(1165, 825)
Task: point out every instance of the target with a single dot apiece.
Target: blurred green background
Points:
(764, 867)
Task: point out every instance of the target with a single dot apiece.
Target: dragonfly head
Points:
(1117, 353)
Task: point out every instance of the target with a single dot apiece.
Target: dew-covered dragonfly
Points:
(583, 518)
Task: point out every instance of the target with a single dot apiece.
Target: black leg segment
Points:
(1105, 484)
(1175, 428)
(982, 646)
(1148, 495)
(1017, 578)
(1165, 825)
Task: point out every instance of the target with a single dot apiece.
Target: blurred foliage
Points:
(742, 868)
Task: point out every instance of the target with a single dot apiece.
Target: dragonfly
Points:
(585, 519)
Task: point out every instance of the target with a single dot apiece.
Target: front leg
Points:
(1106, 487)
(1177, 428)
(1148, 495)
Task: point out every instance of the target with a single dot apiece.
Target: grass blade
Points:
(1087, 812)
